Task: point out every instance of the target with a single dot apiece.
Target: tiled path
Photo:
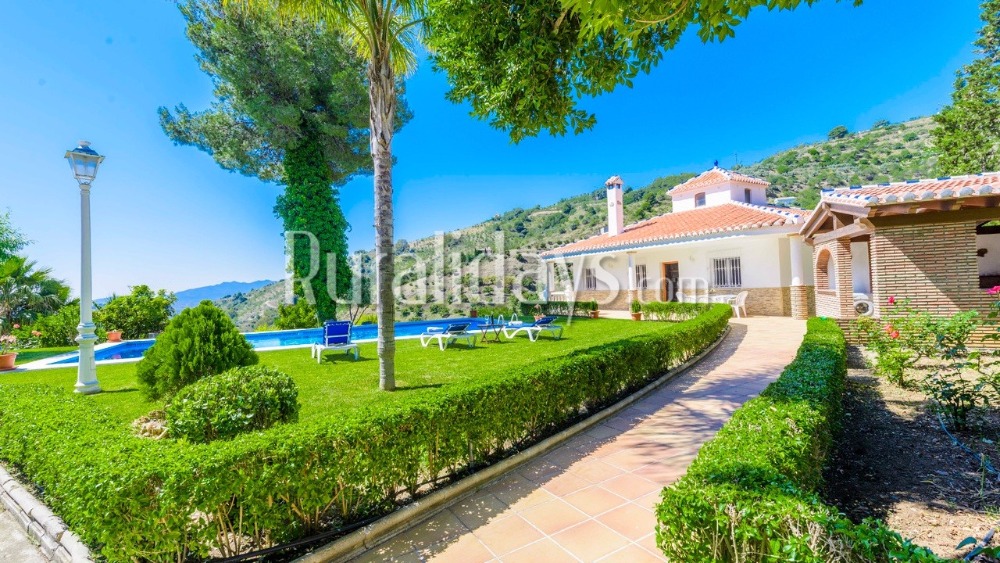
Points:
(592, 499)
(14, 544)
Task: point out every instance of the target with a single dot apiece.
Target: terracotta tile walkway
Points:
(592, 499)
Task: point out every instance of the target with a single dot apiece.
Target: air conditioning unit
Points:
(863, 305)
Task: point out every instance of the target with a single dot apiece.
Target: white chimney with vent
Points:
(616, 213)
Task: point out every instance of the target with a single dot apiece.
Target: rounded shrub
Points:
(199, 342)
(237, 401)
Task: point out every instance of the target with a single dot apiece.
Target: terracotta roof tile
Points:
(714, 177)
(728, 217)
(916, 190)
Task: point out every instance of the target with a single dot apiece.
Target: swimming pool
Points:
(134, 349)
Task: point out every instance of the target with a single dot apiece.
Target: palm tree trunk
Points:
(382, 94)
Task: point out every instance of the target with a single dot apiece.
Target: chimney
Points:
(616, 214)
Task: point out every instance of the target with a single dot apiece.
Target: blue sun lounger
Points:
(336, 336)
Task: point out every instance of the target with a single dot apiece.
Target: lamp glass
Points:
(83, 161)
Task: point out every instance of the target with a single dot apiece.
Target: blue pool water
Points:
(136, 348)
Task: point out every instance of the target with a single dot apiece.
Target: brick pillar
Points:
(799, 294)
(845, 278)
(800, 302)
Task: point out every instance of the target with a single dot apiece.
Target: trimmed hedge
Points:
(157, 500)
(751, 493)
(240, 400)
(671, 311)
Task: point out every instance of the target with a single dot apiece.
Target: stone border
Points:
(411, 515)
(56, 542)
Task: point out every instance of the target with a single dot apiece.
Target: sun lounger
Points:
(336, 336)
(534, 329)
(450, 334)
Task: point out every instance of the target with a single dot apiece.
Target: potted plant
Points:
(636, 308)
(538, 312)
(592, 309)
(7, 353)
(114, 335)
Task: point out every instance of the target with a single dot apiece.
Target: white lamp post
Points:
(84, 161)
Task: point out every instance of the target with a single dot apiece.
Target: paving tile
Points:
(629, 520)
(595, 500)
(631, 486)
(479, 510)
(507, 534)
(544, 550)
(631, 553)
(590, 540)
(565, 484)
(554, 516)
(595, 470)
(466, 549)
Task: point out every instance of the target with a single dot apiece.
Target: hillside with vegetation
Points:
(887, 152)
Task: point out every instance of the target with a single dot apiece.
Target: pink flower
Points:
(35, 333)
(892, 299)
(894, 334)
(995, 290)
(16, 326)
(889, 328)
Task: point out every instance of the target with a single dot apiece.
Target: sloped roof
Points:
(714, 177)
(704, 221)
(949, 187)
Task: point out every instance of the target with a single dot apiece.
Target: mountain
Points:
(191, 297)
(886, 152)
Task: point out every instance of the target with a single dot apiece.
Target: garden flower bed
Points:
(355, 452)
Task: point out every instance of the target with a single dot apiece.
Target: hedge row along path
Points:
(593, 498)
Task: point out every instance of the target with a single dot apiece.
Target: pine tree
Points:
(968, 132)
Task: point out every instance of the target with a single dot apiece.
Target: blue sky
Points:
(169, 217)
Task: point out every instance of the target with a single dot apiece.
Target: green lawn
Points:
(340, 384)
(35, 354)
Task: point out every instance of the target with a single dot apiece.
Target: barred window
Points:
(727, 272)
(589, 278)
(640, 277)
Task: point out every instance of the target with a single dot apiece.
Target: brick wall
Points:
(934, 266)
(838, 303)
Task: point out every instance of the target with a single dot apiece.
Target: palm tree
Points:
(385, 33)
(27, 292)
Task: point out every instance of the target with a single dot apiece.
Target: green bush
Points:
(240, 400)
(138, 314)
(59, 328)
(134, 499)
(199, 342)
(670, 311)
(751, 493)
(299, 315)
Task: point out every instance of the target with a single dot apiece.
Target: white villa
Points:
(721, 238)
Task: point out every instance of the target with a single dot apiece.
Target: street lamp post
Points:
(84, 161)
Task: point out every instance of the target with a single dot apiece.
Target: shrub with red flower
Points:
(994, 290)
(892, 299)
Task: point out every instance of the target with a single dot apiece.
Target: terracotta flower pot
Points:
(473, 313)
(593, 314)
(7, 361)
(539, 317)
(637, 316)
(114, 336)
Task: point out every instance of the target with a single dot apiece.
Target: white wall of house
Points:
(719, 194)
(861, 270)
(989, 265)
(764, 262)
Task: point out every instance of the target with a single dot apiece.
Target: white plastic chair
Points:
(740, 302)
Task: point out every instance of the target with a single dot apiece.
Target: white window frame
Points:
(727, 272)
(641, 278)
(590, 279)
